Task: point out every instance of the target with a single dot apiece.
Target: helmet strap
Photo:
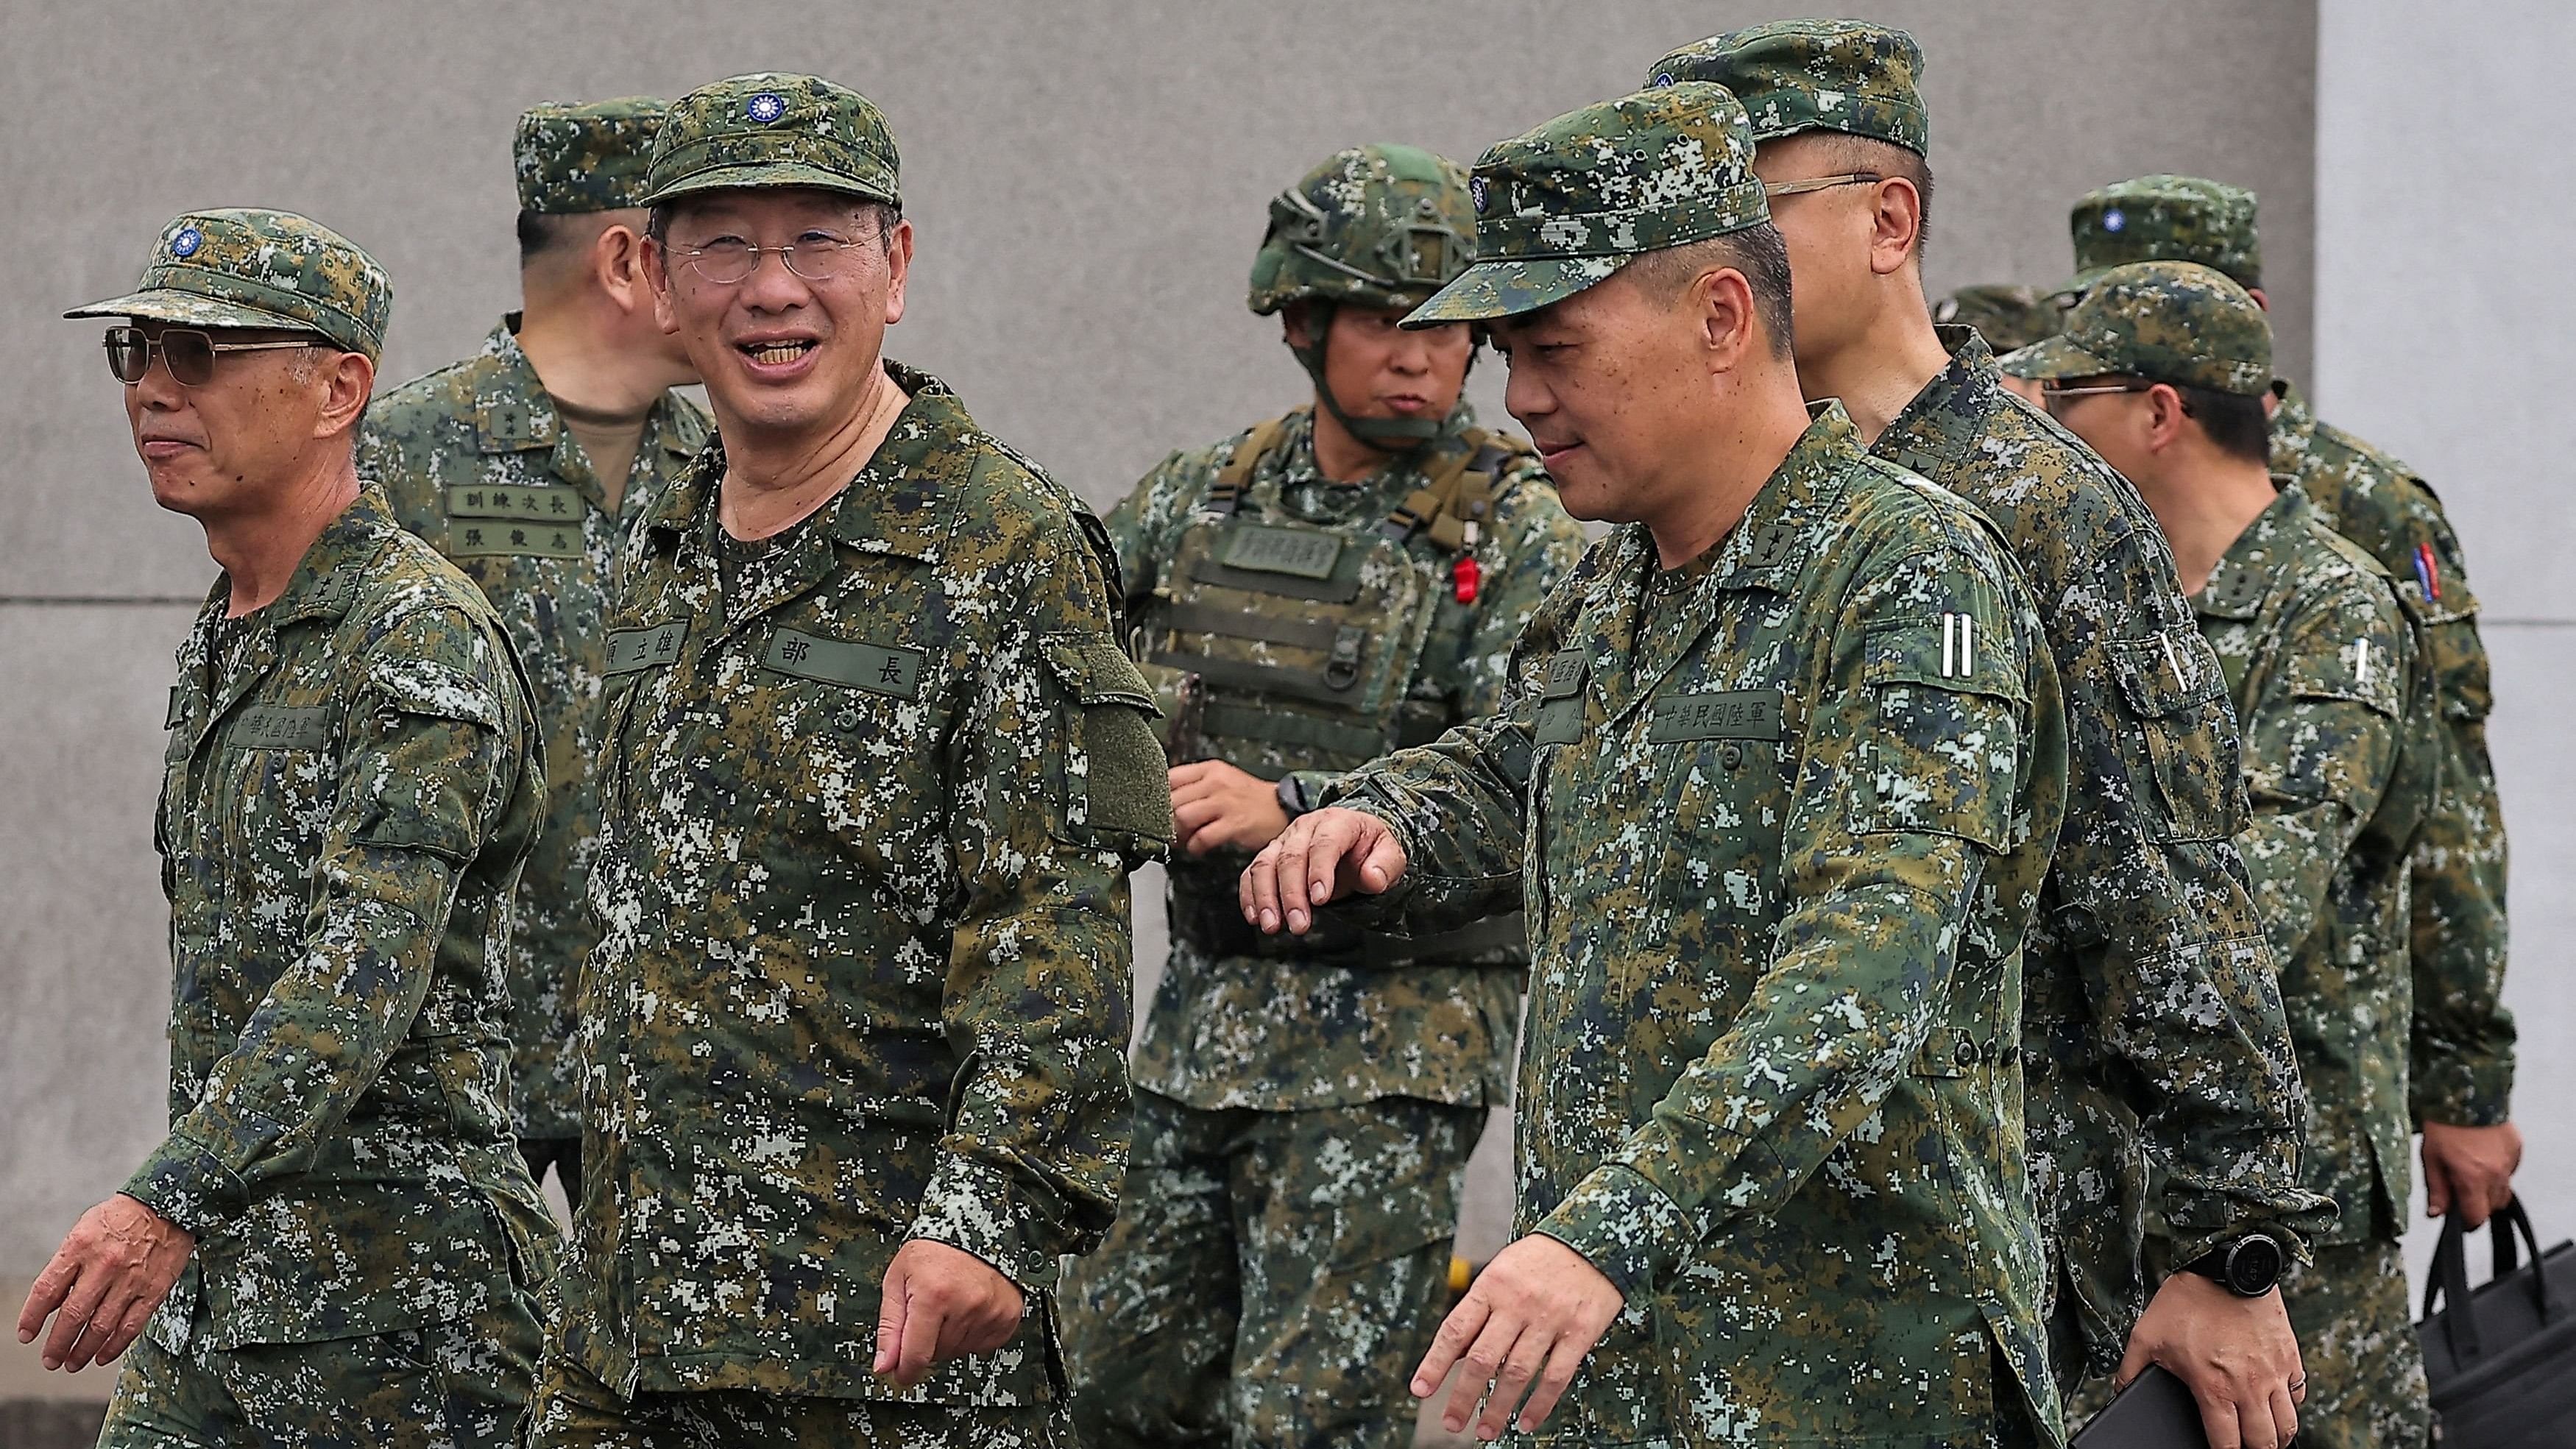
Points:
(1387, 435)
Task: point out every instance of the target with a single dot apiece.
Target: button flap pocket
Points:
(2169, 672)
(1954, 651)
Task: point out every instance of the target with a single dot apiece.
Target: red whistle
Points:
(1463, 578)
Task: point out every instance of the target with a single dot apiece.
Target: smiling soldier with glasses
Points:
(874, 772)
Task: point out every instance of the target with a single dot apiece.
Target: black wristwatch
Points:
(1292, 799)
(2249, 1267)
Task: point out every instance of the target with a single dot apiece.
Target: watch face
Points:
(2254, 1265)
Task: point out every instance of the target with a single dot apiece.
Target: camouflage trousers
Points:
(1273, 1277)
(574, 1410)
(459, 1385)
(2357, 1346)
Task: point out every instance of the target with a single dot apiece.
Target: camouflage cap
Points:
(2176, 322)
(772, 129)
(1813, 75)
(1560, 208)
(242, 267)
(589, 157)
(2006, 314)
(1382, 226)
(2166, 219)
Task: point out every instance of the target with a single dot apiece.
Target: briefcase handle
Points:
(2449, 1282)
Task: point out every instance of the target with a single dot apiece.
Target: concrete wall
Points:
(1089, 180)
(2445, 330)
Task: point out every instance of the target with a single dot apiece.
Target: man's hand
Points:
(2470, 1169)
(112, 1271)
(1215, 805)
(1533, 1314)
(2237, 1354)
(940, 1302)
(1321, 857)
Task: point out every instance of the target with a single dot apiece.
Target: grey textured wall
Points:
(1089, 180)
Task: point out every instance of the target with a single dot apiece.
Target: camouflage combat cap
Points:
(587, 157)
(2166, 219)
(2176, 322)
(1381, 226)
(1561, 208)
(1813, 75)
(243, 267)
(771, 129)
(2006, 314)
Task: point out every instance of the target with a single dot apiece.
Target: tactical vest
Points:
(1295, 646)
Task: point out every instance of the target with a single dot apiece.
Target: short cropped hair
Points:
(1757, 252)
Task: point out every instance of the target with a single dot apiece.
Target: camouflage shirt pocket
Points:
(1111, 774)
(1946, 756)
(2174, 693)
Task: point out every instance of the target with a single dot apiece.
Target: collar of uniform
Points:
(1936, 428)
(1767, 546)
(898, 504)
(508, 415)
(2247, 572)
(2293, 417)
(326, 579)
(1378, 494)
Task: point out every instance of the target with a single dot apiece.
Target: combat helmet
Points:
(1379, 226)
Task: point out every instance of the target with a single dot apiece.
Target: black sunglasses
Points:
(190, 353)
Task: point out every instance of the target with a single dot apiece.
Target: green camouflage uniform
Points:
(2006, 314)
(1779, 819)
(869, 795)
(2152, 1025)
(2462, 1068)
(350, 787)
(1281, 1257)
(475, 459)
(2342, 749)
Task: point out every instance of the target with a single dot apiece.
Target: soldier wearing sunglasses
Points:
(337, 1232)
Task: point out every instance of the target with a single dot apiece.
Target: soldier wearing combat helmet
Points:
(525, 464)
(1332, 584)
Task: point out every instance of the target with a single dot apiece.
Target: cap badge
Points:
(2115, 219)
(185, 244)
(1476, 191)
(1663, 78)
(766, 107)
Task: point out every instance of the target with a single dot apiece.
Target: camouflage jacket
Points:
(2462, 1071)
(473, 459)
(2340, 758)
(1779, 820)
(350, 787)
(2152, 1020)
(1279, 1029)
(862, 885)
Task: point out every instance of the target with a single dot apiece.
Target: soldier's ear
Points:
(617, 266)
(346, 379)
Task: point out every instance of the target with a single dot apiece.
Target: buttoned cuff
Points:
(970, 1207)
(187, 1185)
(1627, 1228)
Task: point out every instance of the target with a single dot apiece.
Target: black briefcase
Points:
(2154, 1412)
(2502, 1360)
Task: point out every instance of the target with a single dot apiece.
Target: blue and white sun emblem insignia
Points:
(1663, 78)
(185, 244)
(2114, 219)
(1476, 192)
(765, 107)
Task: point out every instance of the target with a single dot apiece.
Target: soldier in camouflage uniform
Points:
(2461, 1075)
(1777, 787)
(351, 784)
(497, 461)
(2341, 750)
(2152, 1025)
(874, 771)
(1314, 592)
(2007, 314)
